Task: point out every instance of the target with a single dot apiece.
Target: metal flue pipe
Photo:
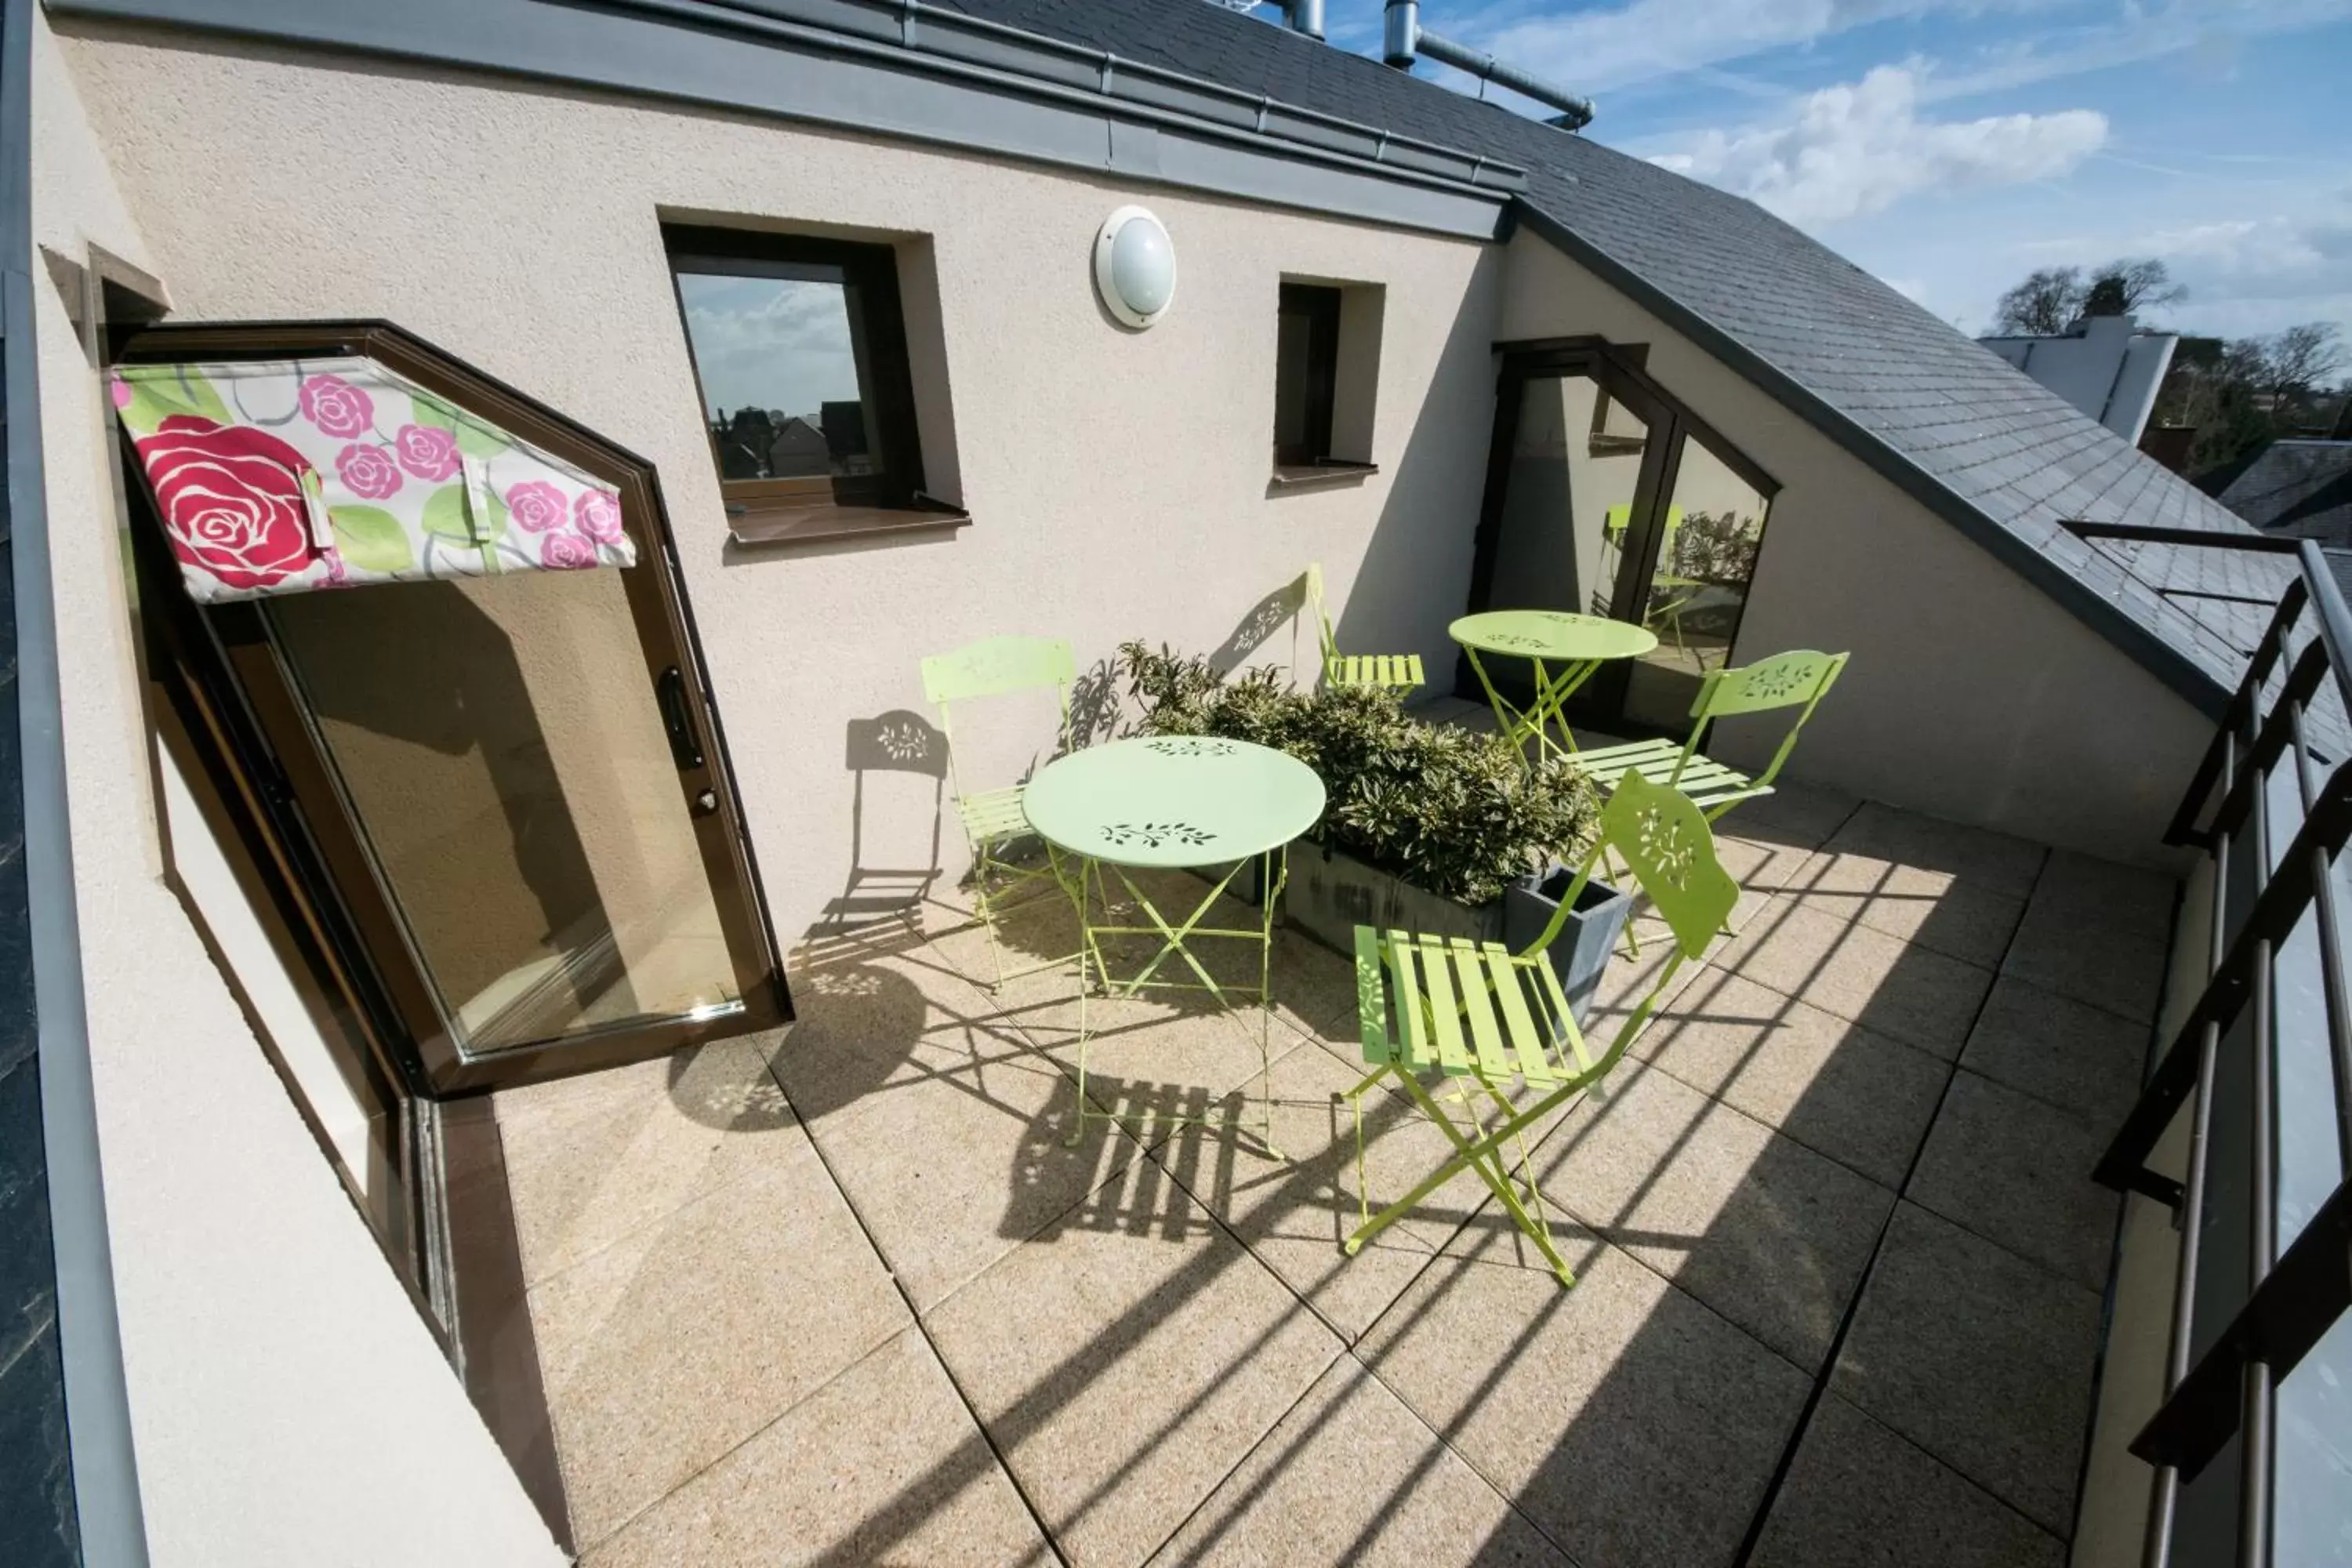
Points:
(1404, 37)
(1304, 16)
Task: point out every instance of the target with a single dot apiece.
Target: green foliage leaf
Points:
(1450, 810)
(371, 538)
(446, 516)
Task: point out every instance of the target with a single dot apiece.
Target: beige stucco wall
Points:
(288, 1405)
(1971, 695)
(1118, 481)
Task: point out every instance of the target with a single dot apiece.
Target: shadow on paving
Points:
(1723, 1385)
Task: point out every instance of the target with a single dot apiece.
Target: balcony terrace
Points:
(846, 1296)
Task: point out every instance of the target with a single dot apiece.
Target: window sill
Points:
(764, 527)
(1323, 473)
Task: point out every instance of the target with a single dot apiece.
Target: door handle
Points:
(683, 749)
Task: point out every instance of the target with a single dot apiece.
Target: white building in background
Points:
(2107, 366)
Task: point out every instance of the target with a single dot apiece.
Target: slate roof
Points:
(2303, 488)
(1979, 441)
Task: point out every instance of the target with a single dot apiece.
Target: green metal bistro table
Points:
(1173, 801)
(1571, 645)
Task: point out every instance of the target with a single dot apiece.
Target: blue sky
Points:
(1951, 148)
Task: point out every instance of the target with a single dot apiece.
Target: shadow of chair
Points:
(898, 741)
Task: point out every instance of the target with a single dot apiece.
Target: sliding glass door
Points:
(1606, 498)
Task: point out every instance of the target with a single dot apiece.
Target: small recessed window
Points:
(800, 352)
(1325, 368)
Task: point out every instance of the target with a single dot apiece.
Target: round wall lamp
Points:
(1135, 266)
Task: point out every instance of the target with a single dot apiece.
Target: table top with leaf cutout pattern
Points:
(1173, 800)
(1554, 635)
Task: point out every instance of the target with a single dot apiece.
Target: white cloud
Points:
(2256, 275)
(1856, 148)
(1597, 50)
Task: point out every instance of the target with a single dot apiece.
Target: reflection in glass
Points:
(781, 374)
(1712, 528)
(499, 745)
(1574, 461)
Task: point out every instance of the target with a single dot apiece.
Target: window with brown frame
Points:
(1325, 368)
(799, 347)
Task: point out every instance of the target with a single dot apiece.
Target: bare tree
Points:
(2125, 287)
(2046, 303)
(2297, 360)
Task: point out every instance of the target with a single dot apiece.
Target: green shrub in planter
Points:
(1449, 810)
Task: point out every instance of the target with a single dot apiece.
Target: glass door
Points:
(1604, 498)
(1697, 585)
(512, 787)
(504, 760)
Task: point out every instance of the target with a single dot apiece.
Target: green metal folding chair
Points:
(1446, 1008)
(1398, 672)
(1799, 679)
(994, 819)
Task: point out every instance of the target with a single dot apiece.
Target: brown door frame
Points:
(301, 778)
(1620, 370)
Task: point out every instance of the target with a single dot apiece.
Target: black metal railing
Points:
(2261, 1282)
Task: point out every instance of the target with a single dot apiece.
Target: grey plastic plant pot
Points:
(1331, 892)
(1580, 953)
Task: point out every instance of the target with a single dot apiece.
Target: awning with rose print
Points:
(285, 475)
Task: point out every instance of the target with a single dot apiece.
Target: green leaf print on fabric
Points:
(475, 439)
(448, 515)
(371, 538)
(156, 392)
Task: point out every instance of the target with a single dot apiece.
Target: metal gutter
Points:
(97, 1404)
(903, 68)
(2177, 670)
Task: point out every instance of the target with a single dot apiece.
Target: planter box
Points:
(1331, 893)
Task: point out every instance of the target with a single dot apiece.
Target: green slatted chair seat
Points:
(993, 815)
(1457, 1007)
(1705, 781)
(1398, 672)
(1445, 1007)
(1798, 679)
(1388, 671)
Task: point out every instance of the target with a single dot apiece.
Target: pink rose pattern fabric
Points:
(368, 471)
(284, 477)
(232, 501)
(536, 506)
(427, 451)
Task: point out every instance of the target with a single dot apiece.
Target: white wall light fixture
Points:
(1135, 266)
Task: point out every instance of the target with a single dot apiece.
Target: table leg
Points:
(1552, 704)
(1173, 940)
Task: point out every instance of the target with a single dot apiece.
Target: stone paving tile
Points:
(2085, 1060)
(1765, 1231)
(667, 1349)
(1293, 1214)
(1795, 813)
(1123, 1375)
(1976, 857)
(2060, 951)
(2129, 902)
(1859, 1497)
(1632, 1426)
(951, 1171)
(1979, 1357)
(1909, 993)
(883, 1464)
(586, 1170)
(1830, 1084)
(1352, 1476)
(2018, 1171)
(1934, 909)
